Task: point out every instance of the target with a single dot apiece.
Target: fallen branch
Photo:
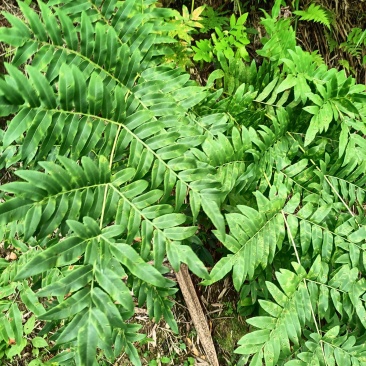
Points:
(197, 315)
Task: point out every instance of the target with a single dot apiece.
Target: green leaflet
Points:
(183, 253)
(73, 281)
(169, 220)
(115, 287)
(222, 267)
(70, 307)
(69, 249)
(129, 258)
(87, 340)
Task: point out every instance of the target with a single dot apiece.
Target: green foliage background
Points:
(120, 155)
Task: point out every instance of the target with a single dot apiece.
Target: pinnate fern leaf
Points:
(287, 316)
(104, 131)
(314, 13)
(253, 239)
(292, 310)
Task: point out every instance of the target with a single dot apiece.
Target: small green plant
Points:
(212, 18)
(17, 333)
(186, 23)
(229, 43)
(189, 362)
(356, 44)
(180, 30)
(228, 309)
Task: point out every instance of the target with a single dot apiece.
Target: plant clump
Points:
(120, 164)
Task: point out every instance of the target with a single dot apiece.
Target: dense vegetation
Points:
(117, 162)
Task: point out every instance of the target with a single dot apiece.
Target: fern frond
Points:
(281, 38)
(338, 350)
(45, 201)
(338, 294)
(314, 13)
(140, 106)
(253, 239)
(290, 312)
(95, 284)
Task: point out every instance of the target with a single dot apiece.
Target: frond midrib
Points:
(107, 120)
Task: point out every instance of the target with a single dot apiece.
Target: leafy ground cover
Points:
(118, 170)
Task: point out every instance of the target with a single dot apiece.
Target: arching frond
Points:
(92, 296)
(281, 329)
(105, 132)
(293, 310)
(314, 13)
(253, 239)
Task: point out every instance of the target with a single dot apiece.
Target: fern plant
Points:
(99, 141)
(355, 44)
(294, 164)
(314, 13)
(224, 42)
(118, 156)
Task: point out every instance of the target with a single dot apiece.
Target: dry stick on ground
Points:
(197, 315)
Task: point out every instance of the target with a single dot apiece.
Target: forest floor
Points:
(163, 347)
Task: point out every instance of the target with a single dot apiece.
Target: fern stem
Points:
(137, 210)
(110, 166)
(114, 146)
(103, 206)
(333, 288)
(299, 262)
(328, 181)
(267, 180)
(337, 194)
